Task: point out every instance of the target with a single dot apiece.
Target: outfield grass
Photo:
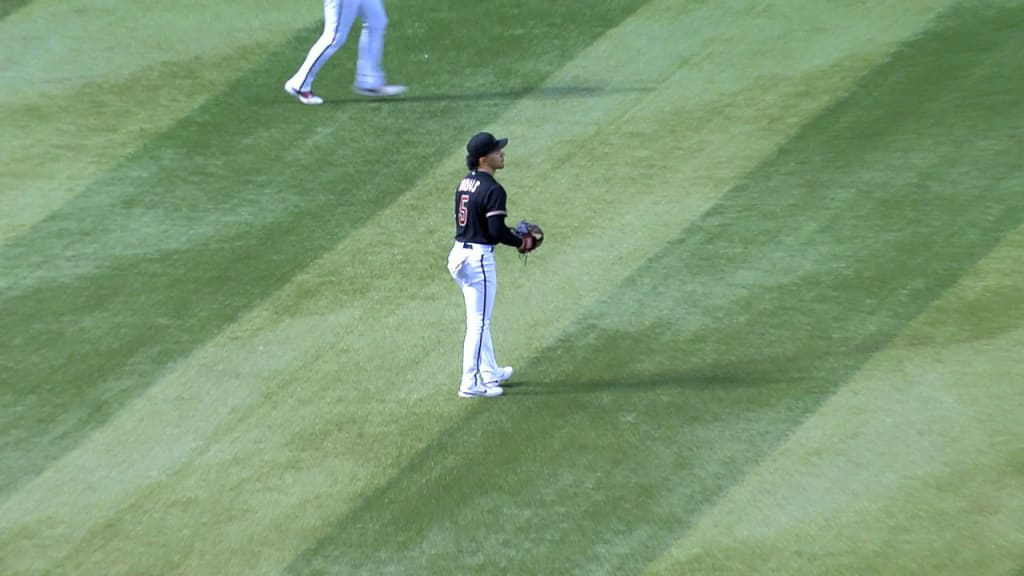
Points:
(9, 6)
(774, 328)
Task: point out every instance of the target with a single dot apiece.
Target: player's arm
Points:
(496, 212)
(496, 226)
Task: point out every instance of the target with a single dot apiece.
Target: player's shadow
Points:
(749, 373)
(541, 93)
(689, 380)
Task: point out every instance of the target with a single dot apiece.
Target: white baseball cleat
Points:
(481, 391)
(382, 91)
(504, 375)
(304, 97)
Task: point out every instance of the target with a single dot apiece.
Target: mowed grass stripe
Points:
(398, 528)
(902, 472)
(187, 278)
(86, 84)
(53, 47)
(160, 254)
(913, 467)
(10, 6)
(288, 402)
(707, 358)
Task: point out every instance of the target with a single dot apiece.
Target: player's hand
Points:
(529, 243)
(531, 234)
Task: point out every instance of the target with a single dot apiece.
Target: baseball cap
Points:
(483, 143)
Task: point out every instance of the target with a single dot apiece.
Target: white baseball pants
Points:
(472, 266)
(339, 15)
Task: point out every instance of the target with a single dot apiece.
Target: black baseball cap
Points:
(483, 143)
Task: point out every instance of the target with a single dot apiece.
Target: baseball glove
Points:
(532, 234)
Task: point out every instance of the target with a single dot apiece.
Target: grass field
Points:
(776, 326)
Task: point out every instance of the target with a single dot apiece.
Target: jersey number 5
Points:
(463, 199)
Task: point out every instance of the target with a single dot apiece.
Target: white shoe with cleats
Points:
(503, 376)
(382, 91)
(305, 97)
(477, 391)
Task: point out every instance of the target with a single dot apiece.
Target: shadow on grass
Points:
(542, 93)
(8, 7)
(750, 372)
(697, 380)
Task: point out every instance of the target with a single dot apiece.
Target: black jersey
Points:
(478, 196)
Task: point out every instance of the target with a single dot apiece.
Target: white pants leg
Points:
(475, 273)
(370, 66)
(339, 16)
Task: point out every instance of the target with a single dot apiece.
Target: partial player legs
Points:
(339, 15)
(370, 65)
(477, 355)
(370, 78)
(479, 283)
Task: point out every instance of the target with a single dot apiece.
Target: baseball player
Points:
(480, 226)
(338, 18)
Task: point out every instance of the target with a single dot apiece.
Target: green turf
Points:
(705, 359)
(260, 405)
(9, 6)
(222, 353)
(912, 454)
(201, 209)
(88, 82)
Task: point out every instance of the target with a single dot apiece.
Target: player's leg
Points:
(370, 77)
(490, 371)
(472, 278)
(338, 18)
(369, 66)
